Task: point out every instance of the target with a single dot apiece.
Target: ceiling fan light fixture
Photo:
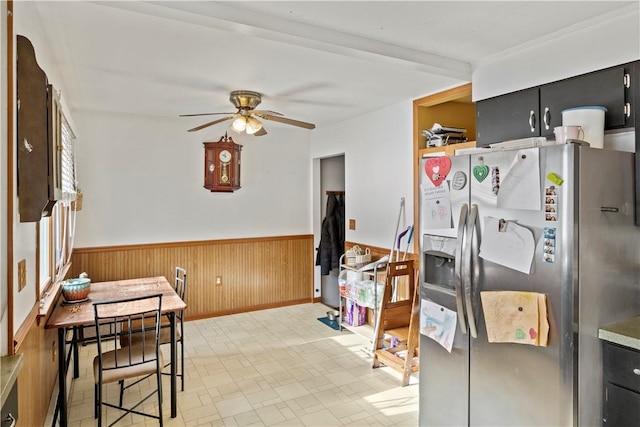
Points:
(253, 125)
(239, 124)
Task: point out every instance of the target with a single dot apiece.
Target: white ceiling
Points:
(316, 61)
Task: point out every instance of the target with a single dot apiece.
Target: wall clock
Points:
(222, 165)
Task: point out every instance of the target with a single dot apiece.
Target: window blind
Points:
(69, 184)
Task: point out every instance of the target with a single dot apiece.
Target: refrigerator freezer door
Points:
(444, 376)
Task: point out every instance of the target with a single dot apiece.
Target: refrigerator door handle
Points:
(462, 225)
(468, 275)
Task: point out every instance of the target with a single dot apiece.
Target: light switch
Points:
(352, 224)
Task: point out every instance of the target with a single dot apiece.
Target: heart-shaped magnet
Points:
(481, 172)
(437, 169)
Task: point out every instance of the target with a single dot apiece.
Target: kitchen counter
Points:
(10, 367)
(626, 333)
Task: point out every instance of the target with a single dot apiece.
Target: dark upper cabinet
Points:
(536, 111)
(605, 88)
(510, 116)
(38, 137)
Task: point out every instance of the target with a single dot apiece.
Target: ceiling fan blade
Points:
(261, 132)
(288, 121)
(274, 113)
(211, 123)
(201, 114)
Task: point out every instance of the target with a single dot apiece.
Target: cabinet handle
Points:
(546, 118)
(10, 419)
(532, 121)
(627, 80)
(627, 110)
(636, 371)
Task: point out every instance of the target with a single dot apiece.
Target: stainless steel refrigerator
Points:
(589, 271)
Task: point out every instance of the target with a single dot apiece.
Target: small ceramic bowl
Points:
(76, 289)
(333, 314)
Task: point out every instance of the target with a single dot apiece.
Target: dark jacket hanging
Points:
(331, 236)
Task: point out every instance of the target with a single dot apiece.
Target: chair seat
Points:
(142, 359)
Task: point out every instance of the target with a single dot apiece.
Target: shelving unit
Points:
(366, 330)
(453, 107)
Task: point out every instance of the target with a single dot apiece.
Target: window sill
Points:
(49, 298)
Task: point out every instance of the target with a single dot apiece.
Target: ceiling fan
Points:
(245, 119)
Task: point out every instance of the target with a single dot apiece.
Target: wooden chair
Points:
(140, 359)
(398, 321)
(180, 286)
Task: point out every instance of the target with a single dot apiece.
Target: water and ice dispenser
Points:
(438, 254)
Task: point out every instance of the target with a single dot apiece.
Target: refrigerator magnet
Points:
(495, 180)
(480, 172)
(437, 169)
(551, 204)
(549, 247)
(459, 180)
(555, 178)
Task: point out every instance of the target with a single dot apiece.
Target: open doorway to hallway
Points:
(332, 182)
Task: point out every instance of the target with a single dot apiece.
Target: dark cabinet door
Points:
(511, 116)
(621, 407)
(605, 88)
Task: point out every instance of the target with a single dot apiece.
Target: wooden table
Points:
(71, 316)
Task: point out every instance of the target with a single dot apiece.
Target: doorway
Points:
(331, 180)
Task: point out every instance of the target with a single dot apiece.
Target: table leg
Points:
(174, 368)
(76, 358)
(62, 383)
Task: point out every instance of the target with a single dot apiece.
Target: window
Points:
(44, 255)
(56, 233)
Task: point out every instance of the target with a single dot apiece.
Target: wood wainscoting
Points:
(255, 273)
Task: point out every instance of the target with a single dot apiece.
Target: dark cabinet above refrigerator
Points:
(536, 111)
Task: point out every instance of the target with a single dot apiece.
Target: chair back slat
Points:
(181, 287)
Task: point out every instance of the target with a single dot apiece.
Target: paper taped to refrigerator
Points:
(436, 206)
(520, 185)
(516, 317)
(438, 323)
(507, 243)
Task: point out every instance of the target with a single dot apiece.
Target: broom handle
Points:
(393, 245)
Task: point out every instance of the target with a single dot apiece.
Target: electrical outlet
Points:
(218, 280)
(22, 274)
(352, 224)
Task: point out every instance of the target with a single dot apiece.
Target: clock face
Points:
(225, 156)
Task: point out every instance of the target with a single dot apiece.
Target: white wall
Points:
(378, 150)
(142, 180)
(606, 41)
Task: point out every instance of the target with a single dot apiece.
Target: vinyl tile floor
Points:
(276, 367)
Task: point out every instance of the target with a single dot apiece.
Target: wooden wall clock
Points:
(222, 165)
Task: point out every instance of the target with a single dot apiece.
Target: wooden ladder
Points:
(399, 320)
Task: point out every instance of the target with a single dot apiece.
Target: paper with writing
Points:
(436, 206)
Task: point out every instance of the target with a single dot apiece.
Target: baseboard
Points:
(247, 309)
